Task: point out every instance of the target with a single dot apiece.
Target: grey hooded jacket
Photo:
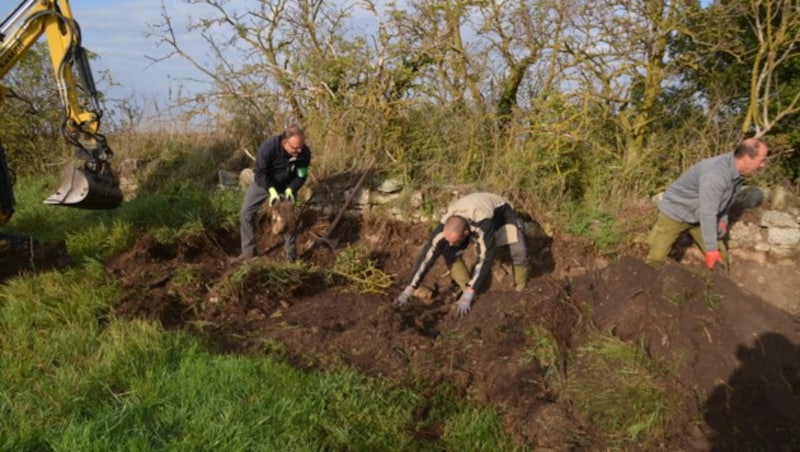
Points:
(703, 194)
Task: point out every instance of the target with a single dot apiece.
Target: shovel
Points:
(326, 238)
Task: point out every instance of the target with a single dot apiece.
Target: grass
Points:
(711, 298)
(544, 350)
(596, 225)
(179, 210)
(622, 391)
(355, 267)
(73, 377)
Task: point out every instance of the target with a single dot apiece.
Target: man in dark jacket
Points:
(485, 219)
(698, 202)
(281, 168)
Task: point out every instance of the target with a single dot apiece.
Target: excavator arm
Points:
(92, 185)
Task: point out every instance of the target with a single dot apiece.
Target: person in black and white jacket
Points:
(488, 221)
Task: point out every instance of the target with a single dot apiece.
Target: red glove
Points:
(713, 258)
(722, 229)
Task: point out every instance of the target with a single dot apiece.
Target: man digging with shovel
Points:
(485, 219)
(281, 168)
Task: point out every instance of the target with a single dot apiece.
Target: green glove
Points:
(289, 195)
(273, 196)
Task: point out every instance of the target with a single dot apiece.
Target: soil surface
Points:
(21, 253)
(735, 356)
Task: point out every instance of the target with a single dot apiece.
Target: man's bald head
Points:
(455, 230)
(750, 156)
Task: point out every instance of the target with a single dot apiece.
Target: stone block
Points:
(783, 237)
(778, 219)
(227, 179)
(785, 252)
(389, 186)
(744, 234)
(246, 177)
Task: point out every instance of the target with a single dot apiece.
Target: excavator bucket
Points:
(84, 189)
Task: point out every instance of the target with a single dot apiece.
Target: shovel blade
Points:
(84, 189)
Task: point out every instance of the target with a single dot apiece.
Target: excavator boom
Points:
(93, 184)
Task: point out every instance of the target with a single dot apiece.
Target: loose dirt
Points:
(734, 357)
(20, 254)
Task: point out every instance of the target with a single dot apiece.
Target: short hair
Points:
(294, 130)
(749, 147)
(455, 224)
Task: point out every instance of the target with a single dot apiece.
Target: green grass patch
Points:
(596, 225)
(544, 350)
(72, 377)
(622, 391)
(180, 211)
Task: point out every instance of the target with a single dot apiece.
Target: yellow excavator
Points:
(93, 185)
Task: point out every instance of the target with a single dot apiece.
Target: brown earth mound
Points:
(20, 254)
(734, 354)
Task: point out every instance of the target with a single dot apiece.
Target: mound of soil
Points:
(733, 349)
(20, 254)
(734, 355)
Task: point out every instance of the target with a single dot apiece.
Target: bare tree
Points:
(621, 46)
(776, 26)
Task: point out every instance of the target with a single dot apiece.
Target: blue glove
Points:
(404, 296)
(465, 303)
(289, 195)
(273, 196)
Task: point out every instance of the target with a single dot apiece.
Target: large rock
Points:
(389, 186)
(783, 237)
(778, 219)
(246, 177)
(744, 235)
(227, 179)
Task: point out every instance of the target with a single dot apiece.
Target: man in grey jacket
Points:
(698, 202)
(485, 219)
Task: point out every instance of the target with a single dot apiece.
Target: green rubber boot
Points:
(520, 277)
(459, 273)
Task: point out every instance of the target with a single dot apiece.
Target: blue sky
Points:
(116, 31)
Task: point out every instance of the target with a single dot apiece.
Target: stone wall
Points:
(768, 219)
(773, 227)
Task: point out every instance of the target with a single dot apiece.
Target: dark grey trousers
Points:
(254, 197)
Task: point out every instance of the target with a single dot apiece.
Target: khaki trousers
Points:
(666, 232)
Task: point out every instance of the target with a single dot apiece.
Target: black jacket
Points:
(274, 167)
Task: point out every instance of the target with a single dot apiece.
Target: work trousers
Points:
(666, 232)
(254, 197)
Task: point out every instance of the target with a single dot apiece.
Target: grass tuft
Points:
(357, 269)
(622, 391)
(596, 225)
